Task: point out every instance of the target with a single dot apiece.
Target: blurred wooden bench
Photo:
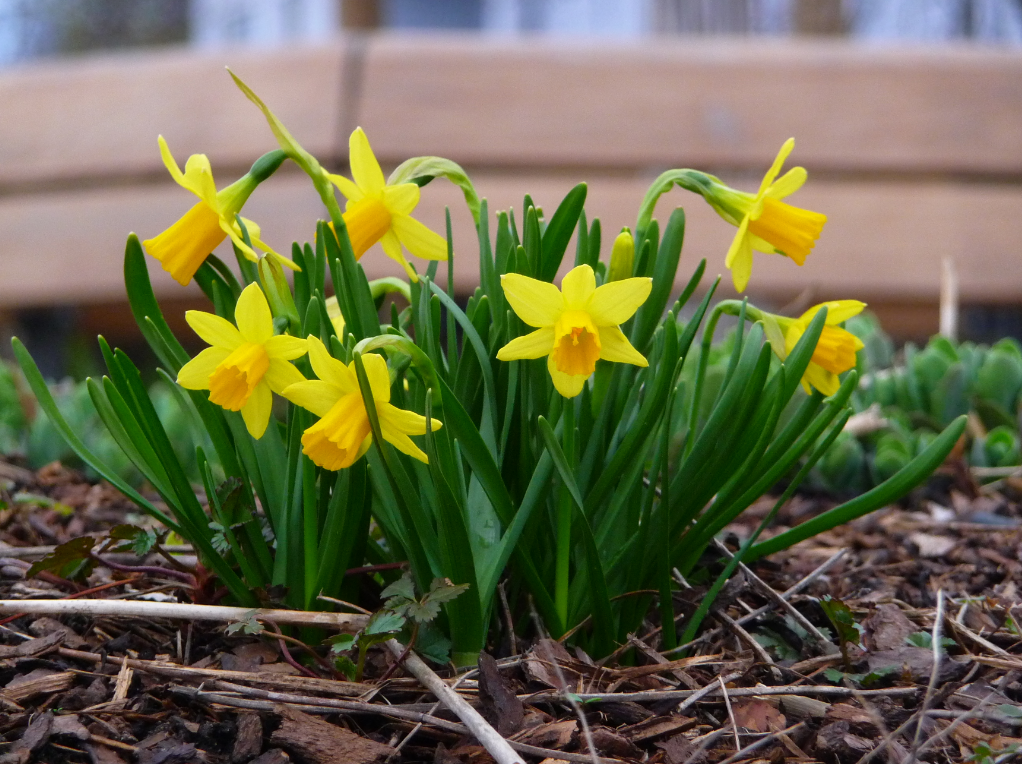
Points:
(914, 154)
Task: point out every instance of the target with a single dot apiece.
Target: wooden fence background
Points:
(915, 154)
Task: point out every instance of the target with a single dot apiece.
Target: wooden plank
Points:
(694, 102)
(882, 240)
(99, 116)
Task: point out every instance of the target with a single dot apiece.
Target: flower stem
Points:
(564, 510)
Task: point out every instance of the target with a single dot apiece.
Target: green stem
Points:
(564, 511)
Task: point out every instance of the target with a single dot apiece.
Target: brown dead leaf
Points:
(758, 715)
(320, 742)
(554, 735)
(500, 706)
(886, 628)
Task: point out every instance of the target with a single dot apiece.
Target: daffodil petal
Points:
(171, 164)
(616, 302)
(420, 240)
(329, 369)
(257, 409)
(392, 248)
(788, 183)
(775, 168)
(533, 345)
(379, 377)
(253, 316)
(215, 330)
(365, 170)
(408, 422)
(199, 179)
(739, 257)
(577, 286)
(348, 188)
(403, 443)
(614, 346)
(232, 231)
(537, 303)
(194, 375)
(826, 382)
(282, 374)
(568, 385)
(286, 347)
(313, 395)
(401, 199)
(838, 311)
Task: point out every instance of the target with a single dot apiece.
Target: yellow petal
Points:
(401, 199)
(775, 168)
(420, 240)
(329, 369)
(788, 183)
(616, 302)
(392, 248)
(616, 347)
(537, 303)
(568, 385)
(348, 188)
(577, 286)
(408, 422)
(286, 347)
(253, 316)
(171, 164)
(281, 374)
(378, 375)
(739, 257)
(533, 345)
(257, 409)
(404, 444)
(194, 375)
(826, 382)
(365, 170)
(313, 395)
(198, 179)
(215, 330)
(838, 311)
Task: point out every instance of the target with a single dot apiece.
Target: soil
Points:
(772, 677)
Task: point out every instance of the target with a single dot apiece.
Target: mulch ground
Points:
(770, 679)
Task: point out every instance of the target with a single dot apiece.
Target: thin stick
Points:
(189, 612)
(694, 695)
(934, 673)
(739, 692)
(760, 743)
(730, 714)
(488, 737)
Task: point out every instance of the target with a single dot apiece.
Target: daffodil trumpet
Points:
(576, 325)
(183, 247)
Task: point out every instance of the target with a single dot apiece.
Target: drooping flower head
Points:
(835, 352)
(245, 363)
(342, 434)
(183, 247)
(765, 223)
(377, 212)
(576, 325)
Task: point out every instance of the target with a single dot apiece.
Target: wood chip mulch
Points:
(767, 680)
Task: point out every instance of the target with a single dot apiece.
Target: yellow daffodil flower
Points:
(183, 247)
(342, 434)
(377, 212)
(576, 324)
(765, 223)
(835, 352)
(245, 363)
